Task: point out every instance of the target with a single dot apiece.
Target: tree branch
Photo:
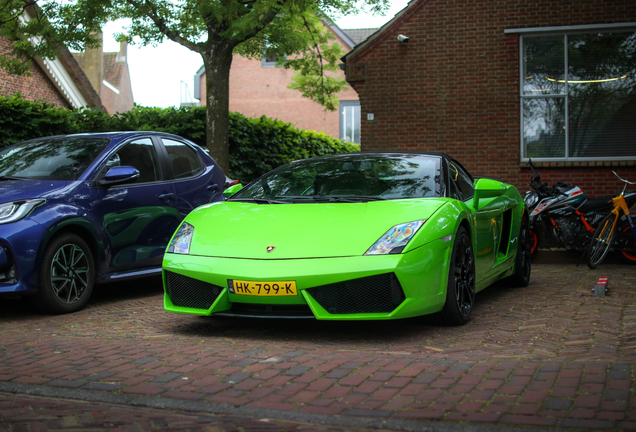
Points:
(163, 27)
(321, 79)
(263, 22)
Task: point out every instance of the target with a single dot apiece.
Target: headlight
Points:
(395, 239)
(531, 198)
(180, 243)
(16, 210)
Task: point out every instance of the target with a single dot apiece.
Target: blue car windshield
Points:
(349, 178)
(60, 158)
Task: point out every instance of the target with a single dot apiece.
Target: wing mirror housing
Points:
(232, 190)
(118, 175)
(487, 188)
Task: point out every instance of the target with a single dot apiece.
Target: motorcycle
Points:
(562, 215)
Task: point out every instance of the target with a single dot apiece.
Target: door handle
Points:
(166, 196)
(213, 187)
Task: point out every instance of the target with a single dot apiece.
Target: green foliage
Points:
(259, 145)
(256, 145)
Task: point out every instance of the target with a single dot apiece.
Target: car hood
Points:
(316, 230)
(12, 190)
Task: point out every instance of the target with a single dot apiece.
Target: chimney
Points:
(123, 49)
(93, 65)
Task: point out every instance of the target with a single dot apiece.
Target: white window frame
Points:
(343, 105)
(565, 31)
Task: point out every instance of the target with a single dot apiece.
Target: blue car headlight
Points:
(180, 243)
(16, 210)
(395, 239)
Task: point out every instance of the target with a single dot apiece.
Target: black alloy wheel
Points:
(460, 292)
(66, 276)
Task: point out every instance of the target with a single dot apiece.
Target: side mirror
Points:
(232, 190)
(487, 188)
(118, 174)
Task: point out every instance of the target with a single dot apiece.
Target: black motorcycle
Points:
(563, 216)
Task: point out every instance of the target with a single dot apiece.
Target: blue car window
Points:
(56, 158)
(184, 160)
(139, 154)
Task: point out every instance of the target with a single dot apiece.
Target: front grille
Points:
(266, 310)
(188, 292)
(372, 294)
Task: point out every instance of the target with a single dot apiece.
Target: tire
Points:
(460, 292)
(601, 241)
(627, 257)
(534, 241)
(523, 261)
(66, 277)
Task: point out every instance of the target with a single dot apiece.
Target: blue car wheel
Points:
(67, 275)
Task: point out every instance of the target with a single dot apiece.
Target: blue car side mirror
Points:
(119, 174)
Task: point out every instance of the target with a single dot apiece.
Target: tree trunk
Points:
(217, 62)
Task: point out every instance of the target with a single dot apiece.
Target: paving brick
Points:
(476, 371)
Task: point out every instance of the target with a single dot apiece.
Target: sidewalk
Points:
(548, 356)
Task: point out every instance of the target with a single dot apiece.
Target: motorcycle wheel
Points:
(533, 240)
(624, 255)
(523, 261)
(601, 241)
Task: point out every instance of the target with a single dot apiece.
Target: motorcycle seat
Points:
(596, 203)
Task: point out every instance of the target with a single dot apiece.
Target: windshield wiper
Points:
(9, 178)
(260, 200)
(342, 198)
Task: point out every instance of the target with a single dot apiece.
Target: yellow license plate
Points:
(265, 289)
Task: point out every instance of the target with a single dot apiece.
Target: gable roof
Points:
(112, 67)
(350, 37)
(360, 35)
(385, 31)
(67, 75)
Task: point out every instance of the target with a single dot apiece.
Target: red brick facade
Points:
(454, 87)
(257, 91)
(36, 87)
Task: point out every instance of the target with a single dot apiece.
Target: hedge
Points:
(256, 145)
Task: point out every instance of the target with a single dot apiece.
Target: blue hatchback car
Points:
(77, 210)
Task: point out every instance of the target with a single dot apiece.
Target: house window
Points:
(350, 121)
(578, 96)
(270, 61)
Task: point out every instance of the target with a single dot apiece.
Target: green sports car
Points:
(357, 236)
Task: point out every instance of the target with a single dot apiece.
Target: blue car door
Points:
(195, 182)
(140, 216)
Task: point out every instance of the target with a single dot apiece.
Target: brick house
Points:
(258, 87)
(60, 82)
(496, 83)
(108, 72)
(73, 80)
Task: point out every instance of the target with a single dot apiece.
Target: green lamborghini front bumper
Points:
(342, 288)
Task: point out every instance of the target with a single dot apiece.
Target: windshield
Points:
(348, 178)
(62, 158)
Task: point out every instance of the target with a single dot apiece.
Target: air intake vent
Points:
(373, 294)
(193, 293)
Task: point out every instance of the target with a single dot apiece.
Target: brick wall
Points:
(256, 91)
(38, 86)
(454, 87)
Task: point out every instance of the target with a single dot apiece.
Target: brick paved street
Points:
(548, 356)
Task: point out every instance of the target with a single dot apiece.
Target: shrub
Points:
(256, 145)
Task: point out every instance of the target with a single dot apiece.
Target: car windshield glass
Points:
(62, 158)
(358, 177)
